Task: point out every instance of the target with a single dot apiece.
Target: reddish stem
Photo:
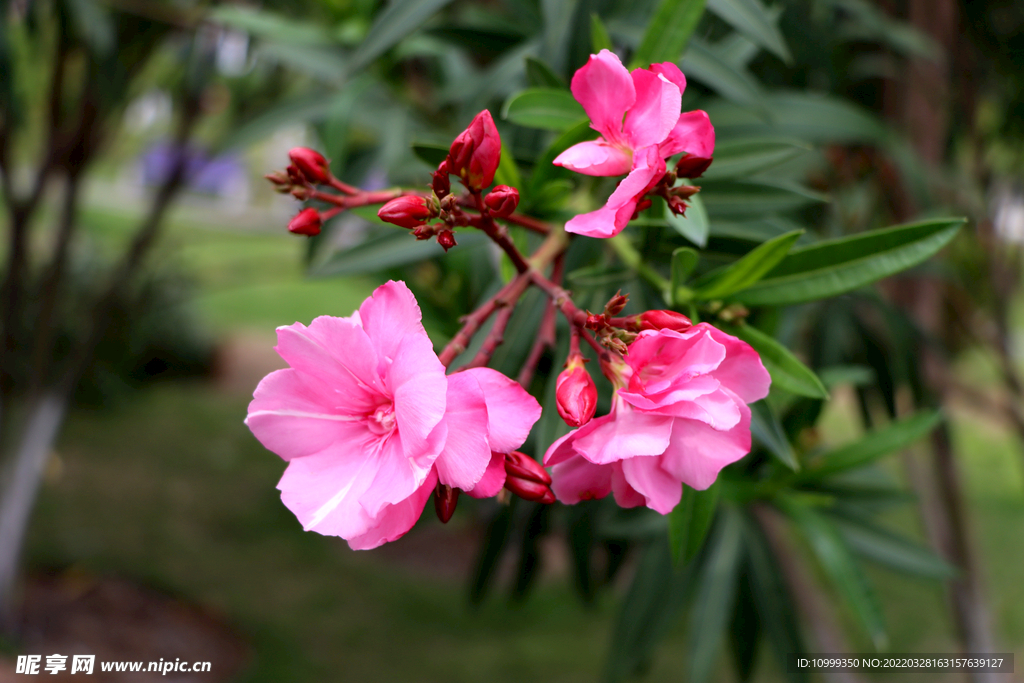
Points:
(545, 332)
(338, 185)
(506, 296)
(495, 338)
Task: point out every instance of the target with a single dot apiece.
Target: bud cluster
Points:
(526, 478)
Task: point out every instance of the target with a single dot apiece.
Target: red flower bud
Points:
(445, 500)
(306, 222)
(282, 183)
(424, 232)
(502, 201)
(595, 321)
(311, 164)
(691, 166)
(440, 182)
(407, 212)
(677, 205)
(663, 320)
(446, 238)
(575, 393)
(475, 153)
(616, 304)
(525, 477)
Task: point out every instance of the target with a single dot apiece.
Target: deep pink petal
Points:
(416, 379)
(625, 495)
(609, 220)
(671, 73)
(577, 479)
(629, 434)
(597, 158)
(662, 359)
(600, 223)
(660, 489)
(397, 478)
(742, 371)
(683, 390)
(395, 520)
(493, 479)
(698, 452)
(291, 419)
(693, 133)
(466, 454)
(389, 315)
(655, 112)
(511, 411)
(605, 89)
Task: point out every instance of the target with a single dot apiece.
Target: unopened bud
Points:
(691, 166)
(407, 212)
(476, 152)
(616, 304)
(677, 205)
(306, 222)
(642, 206)
(445, 500)
(525, 477)
(311, 164)
(595, 321)
(502, 201)
(575, 393)
(440, 182)
(301, 192)
(424, 232)
(282, 183)
(663, 320)
(295, 175)
(446, 238)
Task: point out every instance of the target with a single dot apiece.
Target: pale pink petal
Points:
(466, 454)
(576, 479)
(665, 358)
(417, 381)
(625, 495)
(693, 133)
(511, 411)
(292, 420)
(395, 520)
(493, 479)
(599, 223)
(742, 371)
(397, 479)
(389, 315)
(671, 73)
(655, 112)
(660, 489)
(629, 434)
(717, 408)
(609, 220)
(605, 89)
(684, 390)
(698, 452)
(597, 158)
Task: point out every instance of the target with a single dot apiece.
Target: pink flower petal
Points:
(417, 381)
(655, 112)
(511, 412)
(660, 489)
(389, 315)
(693, 133)
(466, 454)
(698, 452)
(395, 520)
(577, 479)
(742, 371)
(684, 390)
(599, 223)
(493, 479)
(597, 158)
(397, 478)
(671, 73)
(609, 220)
(661, 358)
(605, 89)
(625, 495)
(629, 434)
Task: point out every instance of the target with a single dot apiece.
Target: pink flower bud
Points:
(575, 393)
(311, 164)
(445, 500)
(663, 320)
(691, 166)
(407, 212)
(446, 238)
(475, 153)
(502, 201)
(440, 182)
(526, 478)
(306, 222)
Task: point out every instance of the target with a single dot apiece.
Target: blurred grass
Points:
(172, 490)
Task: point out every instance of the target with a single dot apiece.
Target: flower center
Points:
(382, 421)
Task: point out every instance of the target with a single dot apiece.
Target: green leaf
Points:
(399, 19)
(321, 61)
(599, 39)
(540, 75)
(766, 428)
(94, 25)
(746, 271)
(892, 550)
(786, 370)
(598, 276)
(716, 593)
(739, 158)
(668, 31)
(430, 153)
(387, 250)
(892, 437)
(755, 199)
(684, 260)
(832, 267)
(545, 108)
(508, 172)
(689, 521)
(545, 170)
(271, 26)
(840, 566)
(695, 226)
(735, 84)
(820, 119)
(745, 629)
(753, 20)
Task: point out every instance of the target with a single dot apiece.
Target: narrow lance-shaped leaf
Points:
(689, 521)
(540, 75)
(766, 428)
(890, 438)
(695, 225)
(684, 260)
(753, 20)
(545, 108)
(668, 31)
(747, 270)
(599, 39)
(832, 267)
(891, 549)
(399, 19)
(703, 64)
(786, 369)
(745, 156)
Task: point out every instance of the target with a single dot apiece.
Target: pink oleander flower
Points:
(575, 393)
(369, 422)
(638, 117)
(679, 415)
